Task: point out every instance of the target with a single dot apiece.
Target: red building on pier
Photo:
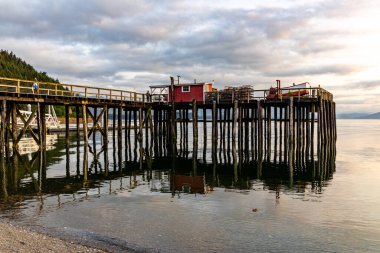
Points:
(183, 92)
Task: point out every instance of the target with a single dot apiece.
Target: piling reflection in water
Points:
(75, 169)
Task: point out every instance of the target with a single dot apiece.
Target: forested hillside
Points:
(13, 67)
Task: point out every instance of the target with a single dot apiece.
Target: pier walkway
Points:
(285, 128)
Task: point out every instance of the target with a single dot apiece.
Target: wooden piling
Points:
(119, 133)
(140, 134)
(105, 125)
(234, 123)
(195, 137)
(3, 128)
(291, 137)
(308, 141)
(94, 122)
(269, 132)
(304, 136)
(280, 137)
(246, 133)
(67, 121)
(240, 127)
(252, 130)
(260, 129)
(286, 134)
(214, 127)
(85, 125)
(298, 134)
(204, 133)
(14, 125)
(195, 122)
(39, 125)
(275, 121)
(312, 145)
(114, 122)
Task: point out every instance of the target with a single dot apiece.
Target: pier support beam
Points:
(77, 112)
(234, 123)
(214, 133)
(41, 125)
(85, 125)
(291, 137)
(3, 128)
(195, 136)
(105, 125)
(14, 125)
(67, 121)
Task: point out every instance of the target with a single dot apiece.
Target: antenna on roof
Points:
(195, 81)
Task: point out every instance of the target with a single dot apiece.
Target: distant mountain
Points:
(371, 116)
(358, 116)
(350, 115)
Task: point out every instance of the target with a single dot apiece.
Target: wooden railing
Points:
(18, 86)
(223, 97)
(297, 94)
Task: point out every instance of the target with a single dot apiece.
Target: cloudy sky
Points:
(132, 44)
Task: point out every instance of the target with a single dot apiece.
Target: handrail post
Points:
(135, 97)
(111, 95)
(98, 93)
(56, 89)
(85, 92)
(18, 86)
(299, 95)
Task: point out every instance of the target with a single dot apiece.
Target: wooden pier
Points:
(290, 130)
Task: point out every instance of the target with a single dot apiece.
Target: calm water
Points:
(146, 205)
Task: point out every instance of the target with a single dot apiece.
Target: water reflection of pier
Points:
(104, 168)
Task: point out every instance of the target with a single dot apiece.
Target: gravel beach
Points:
(21, 240)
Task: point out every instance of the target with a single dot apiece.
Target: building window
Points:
(186, 88)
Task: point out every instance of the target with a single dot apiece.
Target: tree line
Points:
(12, 66)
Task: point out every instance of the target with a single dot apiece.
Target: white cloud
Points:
(132, 44)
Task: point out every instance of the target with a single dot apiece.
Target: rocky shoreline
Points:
(14, 238)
